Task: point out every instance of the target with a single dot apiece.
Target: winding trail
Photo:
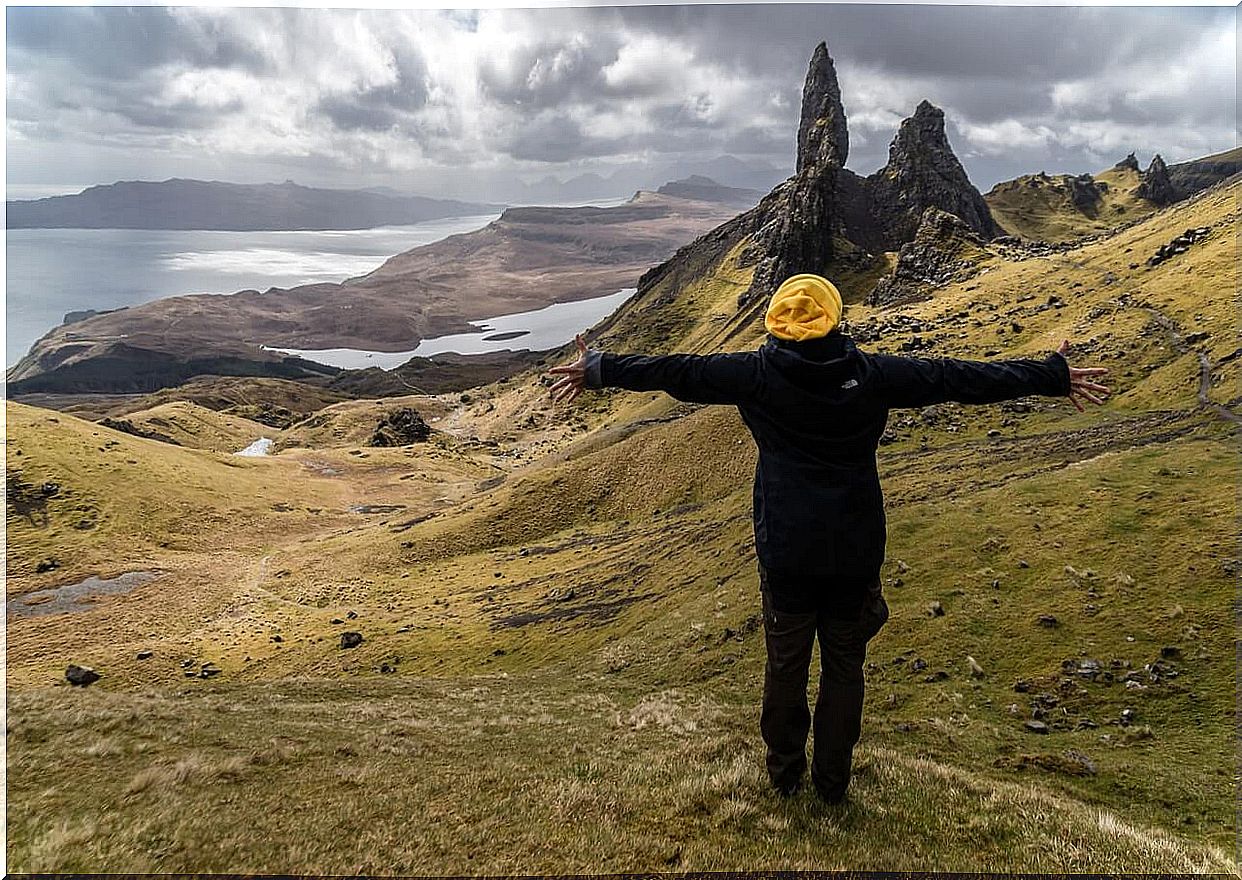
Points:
(1179, 344)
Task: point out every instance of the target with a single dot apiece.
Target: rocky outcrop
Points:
(1085, 192)
(1179, 245)
(943, 250)
(400, 428)
(128, 427)
(822, 219)
(922, 172)
(1129, 163)
(796, 219)
(1156, 186)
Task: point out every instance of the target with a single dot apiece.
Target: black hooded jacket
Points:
(816, 410)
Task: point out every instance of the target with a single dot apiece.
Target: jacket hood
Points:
(812, 364)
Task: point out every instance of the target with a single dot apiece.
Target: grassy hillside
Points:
(1042, 207)
(559, 610)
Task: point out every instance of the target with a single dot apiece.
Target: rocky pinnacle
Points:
(1155, 185)
(923, 172)
(823, 139)
(796, 220)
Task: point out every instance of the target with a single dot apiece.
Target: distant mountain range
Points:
(212, 205)
(728, 171)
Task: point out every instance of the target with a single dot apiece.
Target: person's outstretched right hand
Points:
(571, 384)
(1080, 385)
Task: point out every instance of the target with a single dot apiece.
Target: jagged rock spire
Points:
(1155, 185)
(797, 218)
(1129, 162)
(823, 139)
(923, 172)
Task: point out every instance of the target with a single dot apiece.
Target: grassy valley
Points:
(562, 655)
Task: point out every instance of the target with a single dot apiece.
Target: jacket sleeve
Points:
(904, 382)
(724, 377)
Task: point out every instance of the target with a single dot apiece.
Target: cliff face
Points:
(944, 249)
(1199, 174)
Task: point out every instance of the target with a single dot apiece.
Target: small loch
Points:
(537, 330)
(75, 597)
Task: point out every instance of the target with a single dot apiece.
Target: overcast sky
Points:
(433, 101)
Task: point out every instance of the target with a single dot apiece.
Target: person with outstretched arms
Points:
(816, 406)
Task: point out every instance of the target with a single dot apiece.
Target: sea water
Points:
(53, 271)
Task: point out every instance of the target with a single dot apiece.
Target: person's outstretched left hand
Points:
(570, 385)
(1080, 382)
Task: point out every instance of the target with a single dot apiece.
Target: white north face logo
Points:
(852, 383)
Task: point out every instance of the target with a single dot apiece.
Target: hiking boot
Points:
(829, 792)
(788, 789)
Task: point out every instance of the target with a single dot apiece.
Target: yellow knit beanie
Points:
(804, 307)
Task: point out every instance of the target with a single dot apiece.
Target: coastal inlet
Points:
(549, 327)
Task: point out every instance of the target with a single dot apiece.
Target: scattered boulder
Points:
(351, 639)
(1178, 245)
(1048, 621)
(145, 655)
(935, 609)
(81, 676)
(1035, 726)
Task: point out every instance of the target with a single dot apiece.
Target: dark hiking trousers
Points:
(785, 719)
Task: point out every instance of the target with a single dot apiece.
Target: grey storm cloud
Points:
(339, 92)
(114, 43)
(551, 73)
(380, 108)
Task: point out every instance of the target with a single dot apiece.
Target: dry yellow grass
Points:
(567, 598)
